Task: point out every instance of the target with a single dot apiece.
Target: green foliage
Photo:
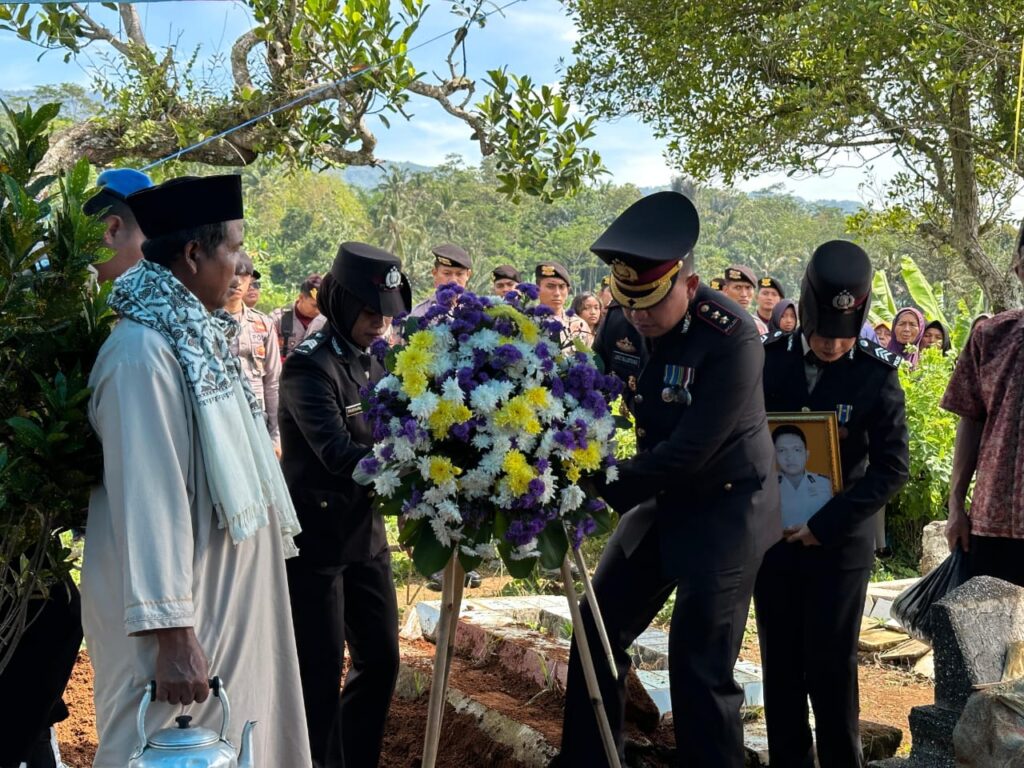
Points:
(932, 432)
(740, 89)
(328, 70)
(52, 328)
(883, 306)
(922, 292)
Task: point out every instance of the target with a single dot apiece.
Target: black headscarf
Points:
(340, 307)
(946, 344)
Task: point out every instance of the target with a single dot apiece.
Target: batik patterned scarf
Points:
(244, 476)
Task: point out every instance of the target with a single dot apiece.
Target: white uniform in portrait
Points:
(800, 502)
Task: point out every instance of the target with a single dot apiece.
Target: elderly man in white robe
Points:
(184, 572)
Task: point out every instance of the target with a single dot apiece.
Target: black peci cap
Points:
(835, 293)
(737, 273)
(770, 282)
(186, 202)
(505, 272)
(374, 276)
(551, 269)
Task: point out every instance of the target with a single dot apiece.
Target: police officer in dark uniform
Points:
(811, 587)
(340, 584)
(621, 349)
(699, 501)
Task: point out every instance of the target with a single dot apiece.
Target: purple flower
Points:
(505, 355)
(529, 289)
(409, 431)
(369, 464)
(379, 348)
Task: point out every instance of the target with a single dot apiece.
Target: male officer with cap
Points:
(299, 321)
(769, 293)
(123, 235)
(739, 285)
(715, 283)
(255, 345)
(813, 582)
(341, 587)
(553, 286)
(451, 265)
(699, 501)
(504, 279)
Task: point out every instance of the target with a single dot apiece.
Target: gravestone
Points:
(972, 628)
(934, 548)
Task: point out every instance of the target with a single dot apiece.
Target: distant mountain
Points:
(369, 177)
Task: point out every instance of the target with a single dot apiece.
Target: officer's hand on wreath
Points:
(589, 487)
(182, 672)
(801, 534)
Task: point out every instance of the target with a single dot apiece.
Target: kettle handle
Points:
(149, 694)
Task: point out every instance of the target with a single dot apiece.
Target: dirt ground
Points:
(887, 694)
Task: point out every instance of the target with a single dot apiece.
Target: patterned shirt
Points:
(988, 386)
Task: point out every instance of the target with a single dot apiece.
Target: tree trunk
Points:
(1001, 289)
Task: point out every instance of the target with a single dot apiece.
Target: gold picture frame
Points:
(821, 432)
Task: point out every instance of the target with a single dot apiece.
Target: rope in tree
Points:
(326, 87)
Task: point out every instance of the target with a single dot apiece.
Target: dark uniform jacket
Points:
(864, 389)
(709, 462)
(323, 437)
(621, 348)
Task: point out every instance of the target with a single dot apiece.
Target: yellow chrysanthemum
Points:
(537, 397)
(518, 414)
(518, 472)
(442, 470)
(528, 329)
(447, 414)
(588, 458)
(572, 471)
(411, 367)
(414, 383)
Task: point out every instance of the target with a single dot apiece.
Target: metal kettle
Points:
(190, 746)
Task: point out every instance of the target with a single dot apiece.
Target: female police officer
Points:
(340, 584)
(810, 590)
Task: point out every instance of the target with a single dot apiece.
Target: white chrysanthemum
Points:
(404, 450)
(391, 383)
(423, 406)
(490, 464)
(476, 483)
(572, 498)
(485, 550)
(450, 512)
(440, 493)
(419, 511)
(485, 338)
(525, 551)
(482, 441)
(386, 483)
(441, 532)
(550, 486)
(611, 474)
(484, 399)
(451, 390)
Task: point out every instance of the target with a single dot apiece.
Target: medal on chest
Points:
(677, 381)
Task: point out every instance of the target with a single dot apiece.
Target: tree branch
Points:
(96, 31)
(240, 59)
(440, 94)
(132, 24)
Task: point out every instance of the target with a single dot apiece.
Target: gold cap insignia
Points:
(766, 282)
(733, 274)
(624, 272)
(547, 271)
(444, 262)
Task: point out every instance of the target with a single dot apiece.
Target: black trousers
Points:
(704, 641)
(997, 556)
(353, 604)
(808, 622)
(34, 680)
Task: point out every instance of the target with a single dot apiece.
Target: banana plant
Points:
(883, 307)
(922, 292)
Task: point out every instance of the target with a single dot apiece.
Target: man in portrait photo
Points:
(803, 493)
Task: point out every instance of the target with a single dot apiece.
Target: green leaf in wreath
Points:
(429, 555)
(408, 533)
(517, 569)
(469, 562)
(553, 545)
(603, 518)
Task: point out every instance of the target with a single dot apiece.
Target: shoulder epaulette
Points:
(310, 345)
(879, 353)
(717, 316)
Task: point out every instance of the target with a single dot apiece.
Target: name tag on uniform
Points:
(353, 410)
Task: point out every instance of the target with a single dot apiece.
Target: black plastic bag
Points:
(912, 608)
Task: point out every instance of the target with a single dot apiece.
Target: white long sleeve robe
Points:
(155, 558)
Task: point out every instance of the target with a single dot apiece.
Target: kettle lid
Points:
(183, 736)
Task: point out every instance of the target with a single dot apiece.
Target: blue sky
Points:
(530, 39)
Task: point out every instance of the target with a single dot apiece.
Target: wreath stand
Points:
(452, 584)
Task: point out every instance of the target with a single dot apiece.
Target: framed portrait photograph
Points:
(807, 462)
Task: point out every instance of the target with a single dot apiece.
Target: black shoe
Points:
(883, 553)
(434, 582)
(473, 580)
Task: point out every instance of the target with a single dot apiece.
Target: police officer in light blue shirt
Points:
(803, 493)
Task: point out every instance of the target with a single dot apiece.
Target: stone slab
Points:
(972, 627)
(879, 640)
(925, 666)
(909, 651)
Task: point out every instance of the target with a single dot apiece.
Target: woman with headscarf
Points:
(783, 317)
(936, 335)
(907, 330)
(884, 333)
(340, 584)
